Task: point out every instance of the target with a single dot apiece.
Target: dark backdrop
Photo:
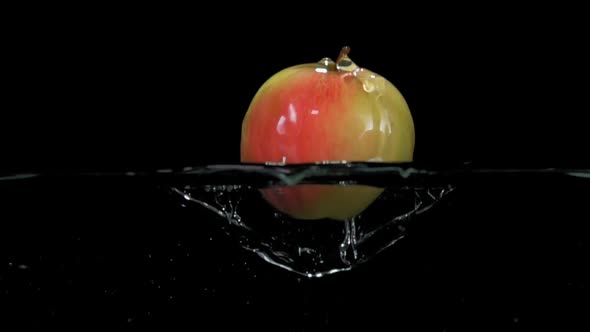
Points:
(88, 92)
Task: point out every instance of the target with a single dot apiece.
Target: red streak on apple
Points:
(298, 121)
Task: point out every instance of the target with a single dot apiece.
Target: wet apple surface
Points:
(326, 112)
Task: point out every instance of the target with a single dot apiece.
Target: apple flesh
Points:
(326, 112)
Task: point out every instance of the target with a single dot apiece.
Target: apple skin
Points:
(324, 112)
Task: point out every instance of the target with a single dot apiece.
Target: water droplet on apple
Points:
(326, 61)
(368, 86)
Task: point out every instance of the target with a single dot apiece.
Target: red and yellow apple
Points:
(326, 112)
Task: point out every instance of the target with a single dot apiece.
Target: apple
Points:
(326, 112)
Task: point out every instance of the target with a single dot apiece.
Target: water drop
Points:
(368, 86)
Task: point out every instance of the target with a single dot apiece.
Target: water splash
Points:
(311, 248)
(231, 193)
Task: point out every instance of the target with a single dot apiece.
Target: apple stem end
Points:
(343, 53)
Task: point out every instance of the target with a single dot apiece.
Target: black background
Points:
(88, 91)
(128, 91)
